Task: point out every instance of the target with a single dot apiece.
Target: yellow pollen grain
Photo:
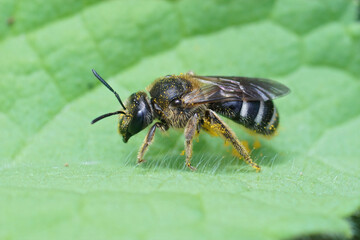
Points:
(256, 144)
(246, 145)
(227, 143)
(211, 129)
(235, 153)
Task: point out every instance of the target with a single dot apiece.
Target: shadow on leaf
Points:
(210, 155)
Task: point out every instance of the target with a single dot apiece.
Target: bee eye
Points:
(176, 102)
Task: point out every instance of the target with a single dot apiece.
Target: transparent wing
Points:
(220, 88)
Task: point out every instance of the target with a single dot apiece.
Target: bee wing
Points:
(220, 88)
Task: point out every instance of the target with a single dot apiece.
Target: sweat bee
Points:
(192, 103)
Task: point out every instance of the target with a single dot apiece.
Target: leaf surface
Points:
(61, 178)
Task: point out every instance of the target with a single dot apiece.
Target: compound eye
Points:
(176, 102)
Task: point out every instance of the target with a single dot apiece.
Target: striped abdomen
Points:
(260, 116)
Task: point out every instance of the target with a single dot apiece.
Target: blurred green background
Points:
(61, 178)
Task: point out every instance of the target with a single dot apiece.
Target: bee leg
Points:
(220, 127)
(149, 138)
(191, 128)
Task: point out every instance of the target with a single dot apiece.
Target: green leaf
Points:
(61, 178)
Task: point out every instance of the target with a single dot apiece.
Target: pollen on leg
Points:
(242, 149)
(191, 167)
(257, 167)
(235, 153)
(246, 145)
(253, 165)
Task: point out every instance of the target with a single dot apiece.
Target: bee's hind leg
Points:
(220, 127)
(149, 138)
(191, 128)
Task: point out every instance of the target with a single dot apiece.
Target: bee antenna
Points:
(106, 115)
(108, 86)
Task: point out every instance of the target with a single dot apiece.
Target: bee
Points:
(192, 103)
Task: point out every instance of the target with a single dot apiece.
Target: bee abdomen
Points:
(260, 116)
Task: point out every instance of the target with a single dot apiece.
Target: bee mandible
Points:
(192, 103)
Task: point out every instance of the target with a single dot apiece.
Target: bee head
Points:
(137, 113)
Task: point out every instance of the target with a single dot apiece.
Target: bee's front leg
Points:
(149, 138)
(191, 128)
